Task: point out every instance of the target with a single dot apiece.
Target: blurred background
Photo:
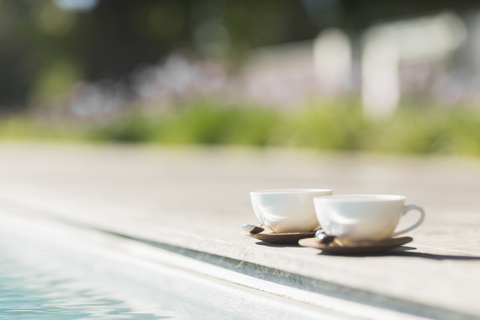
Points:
(381, 76)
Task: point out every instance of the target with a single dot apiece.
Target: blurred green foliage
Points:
(45, 50)
(198, 123)
(322, 125)
(337, 125)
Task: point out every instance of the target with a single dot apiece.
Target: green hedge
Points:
(323, 125)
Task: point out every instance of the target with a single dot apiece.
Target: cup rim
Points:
(293, 190)
(360, 198)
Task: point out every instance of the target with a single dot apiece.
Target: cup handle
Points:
(419, 222)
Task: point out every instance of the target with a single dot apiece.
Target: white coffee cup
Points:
(287, 210)
(363, 217)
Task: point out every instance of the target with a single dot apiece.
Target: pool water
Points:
(27, 292)
(41, 280)
(35, 286)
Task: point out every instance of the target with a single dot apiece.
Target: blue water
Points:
(43, 281)
(48, 291)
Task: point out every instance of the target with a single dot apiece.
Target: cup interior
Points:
(360, 198)
(280, 191)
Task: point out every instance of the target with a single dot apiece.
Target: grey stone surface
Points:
(198, 198)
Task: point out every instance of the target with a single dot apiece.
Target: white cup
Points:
(363, 217)
(287, 210)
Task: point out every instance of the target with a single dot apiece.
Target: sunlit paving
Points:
(213, 159)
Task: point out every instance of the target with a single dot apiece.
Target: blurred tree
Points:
(45, 48)
(115, 37)
(17, 37)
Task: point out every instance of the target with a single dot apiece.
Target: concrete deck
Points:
(192, 202)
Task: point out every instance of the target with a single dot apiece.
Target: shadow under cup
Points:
(363, 217)
(287, 210)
